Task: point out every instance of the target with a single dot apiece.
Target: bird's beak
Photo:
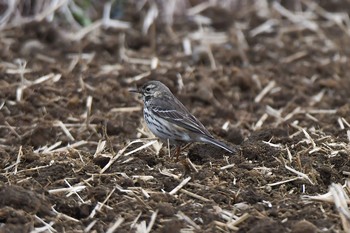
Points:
(134, 90)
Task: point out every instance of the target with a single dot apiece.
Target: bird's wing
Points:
(178, 115)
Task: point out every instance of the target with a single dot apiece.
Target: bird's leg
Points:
(178, 149)
(177, 152)
(187, 167)
(186, 146)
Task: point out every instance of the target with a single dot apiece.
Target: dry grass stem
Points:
(180, 186)
(311, 117)
(303, 20)
(18, 160)
(260, 122)
(302, 175)
(140, 61)
(90, 226)
(265, 91)
(188, 220)
(121, 152)
(64, 216)
(342, 118)
(240, 219)
(141, 147)
(290, 157)
(99, 205)
(165, 172)
(12, 129)
(115, 225)
(191, 194)
(199, 8)
(207, 37)
(273, 144)
(144, 178)
(266, 27)
(338, 195)
(77, 36)
(276, 72)
(46, 228)
(97, 208)
(226, 225)
(150, 17)
(127, 191)
(134, 222)
(317, 98)
(227, 166)
(340, 200)
(145, 193)
(152, 221)
(211, 58)
(225, 126)
(126, 109)
(309, 138)
(52, 149)
(340, 122)
(273, 112)
(191, 165)
(69, 190)
(186, 45)
(340, 19)
(232, 220)
(321, 111)
(50, 10)
(47, 149)
(75, 190)
(137, 77)
(64, 129)
(100, 147)
(45, 58)
(294, 57)
(283, 182)
(37, 168)
(108, 22)
(142, 226)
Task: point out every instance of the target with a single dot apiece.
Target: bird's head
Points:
(152, 89)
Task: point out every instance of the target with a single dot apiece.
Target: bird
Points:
(168, 119)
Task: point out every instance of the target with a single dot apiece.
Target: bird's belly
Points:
(164, 129)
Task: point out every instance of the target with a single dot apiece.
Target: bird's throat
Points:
(146, 98)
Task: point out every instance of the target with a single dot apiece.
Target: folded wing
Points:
(178, 115)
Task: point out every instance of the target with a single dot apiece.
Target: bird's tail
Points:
(218, 144)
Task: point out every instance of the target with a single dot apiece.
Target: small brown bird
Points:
(168, 118)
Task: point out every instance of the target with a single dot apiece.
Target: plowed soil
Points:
(280, 98)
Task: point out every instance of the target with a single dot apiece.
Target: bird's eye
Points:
(148, 89)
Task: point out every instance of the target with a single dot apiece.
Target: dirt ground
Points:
(70, 129)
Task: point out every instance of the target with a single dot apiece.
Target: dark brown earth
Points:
(309, 74)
